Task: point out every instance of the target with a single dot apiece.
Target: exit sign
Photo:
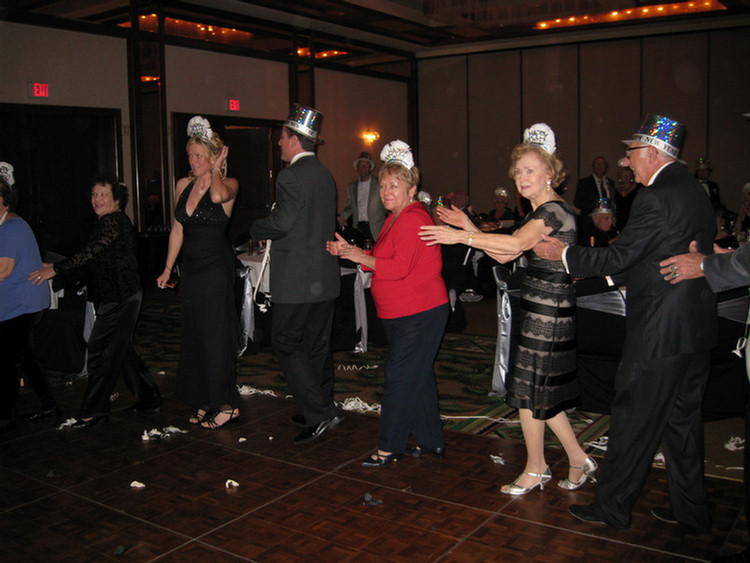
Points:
(233, 105)
(38, 90)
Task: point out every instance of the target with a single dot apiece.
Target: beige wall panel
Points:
(443, 131)
(609, 101)
(64, 60)
(728, 144)
(494, 124)
(549, 89)
(202, 81)
(675, 75)
(81, 69)
(351, 105)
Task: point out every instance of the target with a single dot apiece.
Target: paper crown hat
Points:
(542, 136)
(602, 206)
(661, 132)
(399, 152)
(364, 155)
(304, 120)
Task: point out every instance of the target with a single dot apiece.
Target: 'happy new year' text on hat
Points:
(662, 133)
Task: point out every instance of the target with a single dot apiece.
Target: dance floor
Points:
(66, 495)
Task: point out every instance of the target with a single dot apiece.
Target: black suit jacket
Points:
(662, 319)
(301, 221)
(728, 271)
(712, 188)
(587, 194)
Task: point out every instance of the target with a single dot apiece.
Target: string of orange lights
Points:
(646, 12)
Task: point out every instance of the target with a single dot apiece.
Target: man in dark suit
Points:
(702, 172)
(670, 331)
(593, 188)
(304, 277)
(363, 203)
(725, 271)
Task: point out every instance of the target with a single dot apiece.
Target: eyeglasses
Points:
(627, 151)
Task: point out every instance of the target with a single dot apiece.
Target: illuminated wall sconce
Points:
(370, 136)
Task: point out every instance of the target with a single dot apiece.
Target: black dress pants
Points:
(111, 353)
(301, 336)
(16, 357)
(656, 401)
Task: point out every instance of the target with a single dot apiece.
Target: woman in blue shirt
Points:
(20, 301)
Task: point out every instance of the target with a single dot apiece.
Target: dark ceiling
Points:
(416, 26)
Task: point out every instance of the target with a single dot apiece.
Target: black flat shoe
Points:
(589, 513)
(664, 514)
(43, 413)
(379, 460)
(313, 432)
(93, 421)
(419, 451)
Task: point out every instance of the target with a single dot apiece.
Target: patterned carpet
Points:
(463, 369)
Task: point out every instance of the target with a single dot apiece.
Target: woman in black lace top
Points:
(108, 265)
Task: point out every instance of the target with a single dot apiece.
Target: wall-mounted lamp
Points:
(370, 136)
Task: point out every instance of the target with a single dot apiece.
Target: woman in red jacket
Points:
(412, 301)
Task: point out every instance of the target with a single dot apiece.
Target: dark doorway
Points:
(55, 152)
(254, 160)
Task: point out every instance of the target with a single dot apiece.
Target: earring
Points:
(549, 185)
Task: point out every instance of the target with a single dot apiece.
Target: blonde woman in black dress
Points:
(206, 373)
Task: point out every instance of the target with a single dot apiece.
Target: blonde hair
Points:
(409, 177)
(552, 161)
(210, 148)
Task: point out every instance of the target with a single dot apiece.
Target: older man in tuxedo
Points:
(728, 270)
(670, 330)
(304, 276)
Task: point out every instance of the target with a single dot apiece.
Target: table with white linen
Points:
(252, 263)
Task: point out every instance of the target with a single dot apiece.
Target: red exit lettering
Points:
(40, 90)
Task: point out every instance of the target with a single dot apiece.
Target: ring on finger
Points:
(673, 267)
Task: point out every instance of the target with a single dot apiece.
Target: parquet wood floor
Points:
(65, 496)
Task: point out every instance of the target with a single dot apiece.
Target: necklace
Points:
(549, 195)
(4, 216)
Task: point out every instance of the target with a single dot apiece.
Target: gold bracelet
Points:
(471, 237)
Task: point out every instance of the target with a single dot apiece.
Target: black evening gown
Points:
(206, 373)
